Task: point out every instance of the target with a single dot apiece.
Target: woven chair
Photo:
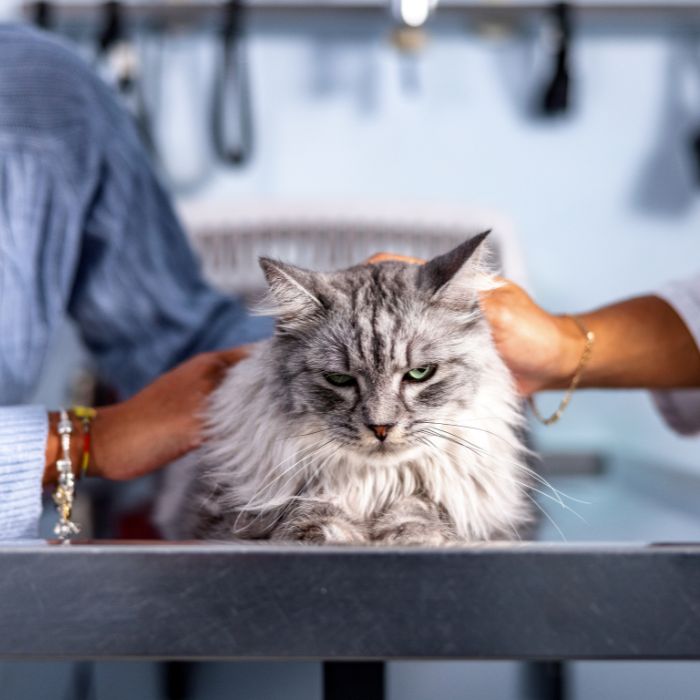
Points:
(231, 236)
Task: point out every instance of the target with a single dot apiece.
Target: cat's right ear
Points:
(292, 296)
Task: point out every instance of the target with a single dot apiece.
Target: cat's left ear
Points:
(458, 274)
(292, 296)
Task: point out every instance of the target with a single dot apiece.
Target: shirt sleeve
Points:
(681, 407)
(23, 432)
(86, 228)
(139, 297)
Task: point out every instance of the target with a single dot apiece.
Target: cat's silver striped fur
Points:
(290, 456)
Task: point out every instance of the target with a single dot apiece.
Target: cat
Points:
(379, 412)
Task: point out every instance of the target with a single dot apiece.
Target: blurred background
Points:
(320, 130)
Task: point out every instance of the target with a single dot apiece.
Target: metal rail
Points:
(164, 7)
(208, 601)
(651, 18)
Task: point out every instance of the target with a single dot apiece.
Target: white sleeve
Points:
(681, 407)
(23, 431)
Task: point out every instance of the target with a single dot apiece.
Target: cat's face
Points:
(372, 356)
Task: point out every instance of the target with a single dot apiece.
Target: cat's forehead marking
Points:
(381, 322)
(375, 303)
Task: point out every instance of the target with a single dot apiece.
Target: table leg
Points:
(546, 680)
(177, 680)
(83, 681)
(353, 680)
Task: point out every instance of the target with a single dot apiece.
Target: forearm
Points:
(151, 429)
(113, 427)
(640, 343)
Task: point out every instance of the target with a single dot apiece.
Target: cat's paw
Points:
(321, 530)
(312, 532)
(412, 521)
(414, 533)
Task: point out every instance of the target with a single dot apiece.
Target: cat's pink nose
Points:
(381, 431)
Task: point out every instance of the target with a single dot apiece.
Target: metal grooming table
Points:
(532, 601)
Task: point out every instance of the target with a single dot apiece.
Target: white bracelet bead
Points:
(63, 496)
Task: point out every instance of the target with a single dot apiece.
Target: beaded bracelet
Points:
(63, 496)
(86, 415)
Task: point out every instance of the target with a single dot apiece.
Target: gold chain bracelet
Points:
(575, 380)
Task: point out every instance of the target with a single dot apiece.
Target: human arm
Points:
(640, 343)
(85, 228)
(151, 429)
(129, 439)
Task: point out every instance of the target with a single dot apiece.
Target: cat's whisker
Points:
(508, 520)
(304, 452)
(296, 498)
(544, 482)
(294, 455)
(556, 499)
(521, 449)
(300, 456)
(287, 501)
(476, 449)
(521, 466)
(473, 445)
(548, 496)
(515, 448)
(295, 468)
(323, 460)
(483, 471)
(549, 517)
(301, 435)
(535, 475)
(250, 506)
(532, 488)
(528, 486)
(322, 465)
(518, 465)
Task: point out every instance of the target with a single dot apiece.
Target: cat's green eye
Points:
(337, 379)
(420, 374)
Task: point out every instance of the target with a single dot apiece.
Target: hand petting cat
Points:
(153, 428)
(641, 343)
(540, 349)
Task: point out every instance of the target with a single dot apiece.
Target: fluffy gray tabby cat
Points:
(379, 412)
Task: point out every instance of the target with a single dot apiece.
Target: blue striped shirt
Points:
(85, 230)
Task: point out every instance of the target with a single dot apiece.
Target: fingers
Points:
(490, 299)
(223, 360)
(501, 285)
(233, 355)
(386, 257)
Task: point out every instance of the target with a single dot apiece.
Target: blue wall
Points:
(604, 199)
